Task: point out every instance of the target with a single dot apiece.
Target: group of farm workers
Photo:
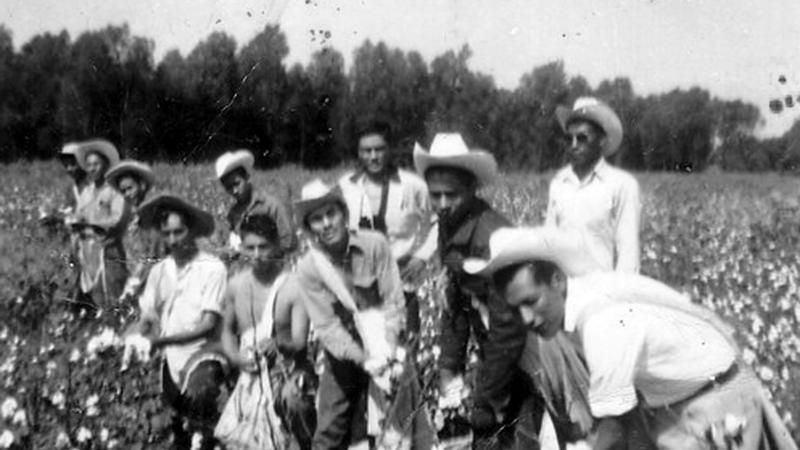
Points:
(311, 325)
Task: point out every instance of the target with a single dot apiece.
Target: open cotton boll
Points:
(373, 326)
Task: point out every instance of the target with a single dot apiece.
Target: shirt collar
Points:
(394, 174)
(600, 170)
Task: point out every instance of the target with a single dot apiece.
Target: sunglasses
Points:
(580, 138)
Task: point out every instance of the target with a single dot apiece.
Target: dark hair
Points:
(375, 126)
(261, 225)
(543, 272)
(465, 177)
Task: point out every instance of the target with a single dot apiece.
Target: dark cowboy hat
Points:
(200, 222)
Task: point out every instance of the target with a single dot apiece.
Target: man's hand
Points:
(267, 347)
(413, 270)
(246, 363)
(136, 347)
(450, 389)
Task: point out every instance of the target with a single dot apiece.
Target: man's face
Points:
(585, 145)
(176, 235)
(258, 250)
(373, 153)
(237, 186)
(328, 225)
(96, 166)
(541, 305)
(132, 189)
(449, 193)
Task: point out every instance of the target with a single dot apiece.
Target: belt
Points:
(718, 379)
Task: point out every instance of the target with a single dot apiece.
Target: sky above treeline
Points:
(733, 48)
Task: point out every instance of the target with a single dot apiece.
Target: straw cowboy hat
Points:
(509, 246)
(201, 222)
(314, 194)
(230, 161)
(130, 167)
(101, 146)
(597, 112)
(449, 150)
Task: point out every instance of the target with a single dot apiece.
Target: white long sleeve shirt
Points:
(606, 206)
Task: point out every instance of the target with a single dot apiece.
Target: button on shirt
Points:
(640, 336)
(606, 206)
(408, 212)
(178, 297)
(373, 279)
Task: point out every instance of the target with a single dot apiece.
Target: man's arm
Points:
(230, 332)
(629, 210)
(208, 323)
(610, 434)
(318, 302)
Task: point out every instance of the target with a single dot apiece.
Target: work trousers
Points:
(342, 405)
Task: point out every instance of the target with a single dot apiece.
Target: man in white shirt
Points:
(394, 201)
(181, 310)
(591, 195)
(655, 358)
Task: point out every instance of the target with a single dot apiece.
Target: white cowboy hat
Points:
(449, 150)
(229, 161)
(509, 246)
(314, 194)
(200, 221)
(597, 112)
(130, 167)
(100, 146)
(69, 149)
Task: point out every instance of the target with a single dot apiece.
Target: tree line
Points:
(105, 83)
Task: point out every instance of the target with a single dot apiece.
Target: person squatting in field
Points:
(100, 221)
(664, 372)
(265, 330)
(591, 195)
(134, 179)
(181, 310)
(395, 202)
(353, 294)
(505, 410)
(234, 171)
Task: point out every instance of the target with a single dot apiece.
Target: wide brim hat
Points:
(201, 222)
(230, 161)
(101, 146)
(509, 246)
(449, 150)
(314, 194)
(597, 112)
(130, 167)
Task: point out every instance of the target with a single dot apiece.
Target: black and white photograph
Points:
(400, 225)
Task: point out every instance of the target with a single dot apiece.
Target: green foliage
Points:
(221, 96)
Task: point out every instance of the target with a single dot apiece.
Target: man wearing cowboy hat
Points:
(395, 202)
(181, 310)
(134, 179)
(354, 298)
(100, 219)
(664, 372)
(590, 194)
(234, 171)
(503, 402)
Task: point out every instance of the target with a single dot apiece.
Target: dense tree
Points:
(106, 83)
